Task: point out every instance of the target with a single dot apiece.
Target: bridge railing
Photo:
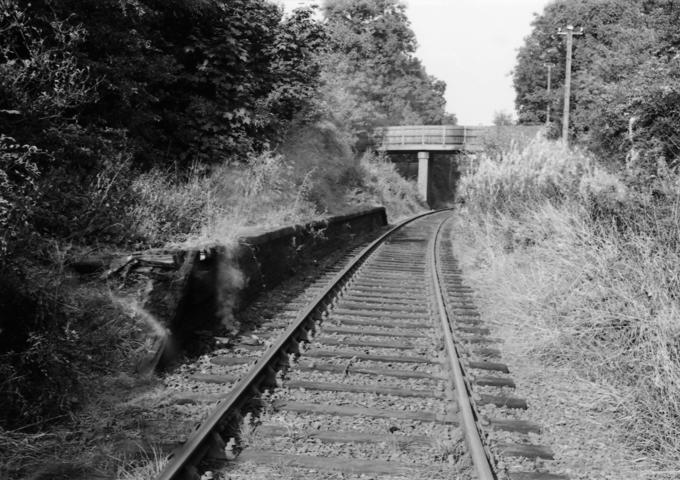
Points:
(430, 137)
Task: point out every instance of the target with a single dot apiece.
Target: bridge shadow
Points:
(444, 174)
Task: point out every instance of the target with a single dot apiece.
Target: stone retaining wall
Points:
(220, 282)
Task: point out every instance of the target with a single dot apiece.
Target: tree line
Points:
(93, 91)
(625, 84)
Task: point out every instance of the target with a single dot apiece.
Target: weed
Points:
(266, 404)
(247, 431)
(448, 450)
(147, 468)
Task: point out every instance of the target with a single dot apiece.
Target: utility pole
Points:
(567, 80)
(547, 108)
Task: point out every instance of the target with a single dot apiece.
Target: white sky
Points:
(472, 46)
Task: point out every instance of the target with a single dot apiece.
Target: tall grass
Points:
(542, 171)
(592, 263)
(216, 207)
(269, 191)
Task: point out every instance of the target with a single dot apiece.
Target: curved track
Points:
(372, 378)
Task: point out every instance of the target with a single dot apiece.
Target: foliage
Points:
(188, 81)
(370, 74)
(246, 96)
(521, 177)
(54, 339)
(39, 72)
(605, 51)
(101, 91)
(503, 118)
(625, 93)
(546, 171)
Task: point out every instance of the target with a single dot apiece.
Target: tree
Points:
(187, 80)
(502, 118)
(370, 74)
(607, 25)
(624, 74)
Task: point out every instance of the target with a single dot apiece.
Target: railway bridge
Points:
(427, 139)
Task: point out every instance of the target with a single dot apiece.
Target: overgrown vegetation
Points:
(589, 259)
(132, 124)
(625, 91)
(92, 95)
(101, 91)
(271, 192)
(580, 247)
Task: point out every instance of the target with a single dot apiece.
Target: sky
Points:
(471, 45)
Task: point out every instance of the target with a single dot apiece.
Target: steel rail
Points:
(475, 445)
(203, 440)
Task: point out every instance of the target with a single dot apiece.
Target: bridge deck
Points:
(433, 138)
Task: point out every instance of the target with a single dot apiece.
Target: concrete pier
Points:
(424, 175)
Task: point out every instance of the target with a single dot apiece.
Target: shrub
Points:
(55, 340)
(546, 171)
(85, 199)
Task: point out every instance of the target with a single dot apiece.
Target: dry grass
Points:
(593, 267)
(216, 208)
(542, 171)
(146, 469)
(315, 175)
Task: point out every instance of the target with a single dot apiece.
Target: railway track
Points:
(387, 372)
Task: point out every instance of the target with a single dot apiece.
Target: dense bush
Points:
(54, 339)
(188, 81)
(370, 74)
(378, 182)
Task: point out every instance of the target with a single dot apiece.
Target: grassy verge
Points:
(591, 261)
